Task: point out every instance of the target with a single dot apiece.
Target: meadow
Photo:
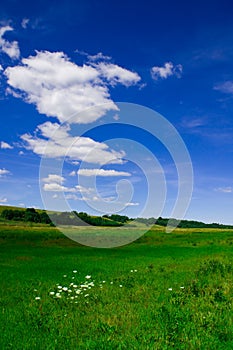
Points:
(163, 291)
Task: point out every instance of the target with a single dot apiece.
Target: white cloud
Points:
(1, 67)
(72, 197)
(72, 173)
(75, 162)
(4, 172)
(56, 187)
(3, 200)
(115, 74)
(226, 87)
(101, 172)
(131, 204)
(60, 88)
(53, 178)
(98, 56)
(166, 71)
(5, 145)
(224, 189)
(57, 142)
(9, 48)
(25, 22)
(116, 117)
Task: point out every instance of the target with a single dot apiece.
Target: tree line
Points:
(64, 218)
(28, 215)
(81, 219)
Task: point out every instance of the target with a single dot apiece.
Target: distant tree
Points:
(44, 218)
(31, 215)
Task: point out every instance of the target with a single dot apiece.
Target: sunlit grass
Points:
(165, 291)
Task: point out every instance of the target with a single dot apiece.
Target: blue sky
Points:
(60, 59)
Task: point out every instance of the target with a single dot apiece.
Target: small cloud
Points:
(1, 67)
(5, 145)
(226, 87)
(56, 187)
(72, 197)
(4, 172)
(191, 123)
(72, 173)
(53, 178)
(99, 56)
(21, 153)
(224, 189)
(131, 204)
(3, 200)
(9, 48)
(102, 172)
(25, 22)
(166, 71)
(116, 117)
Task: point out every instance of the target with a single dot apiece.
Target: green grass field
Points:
(164, 291)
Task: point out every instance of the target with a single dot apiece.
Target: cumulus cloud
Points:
(4, 172)
(226, 87)
(56, 187)
(101, 172)
(166, 71)
(54, 178)
(60, 88)
(53, 140)
(5, 145)
(9, 48)
(117, 75)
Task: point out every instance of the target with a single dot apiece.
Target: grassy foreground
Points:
(164, 291)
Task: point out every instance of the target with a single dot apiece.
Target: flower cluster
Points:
(74, 289)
